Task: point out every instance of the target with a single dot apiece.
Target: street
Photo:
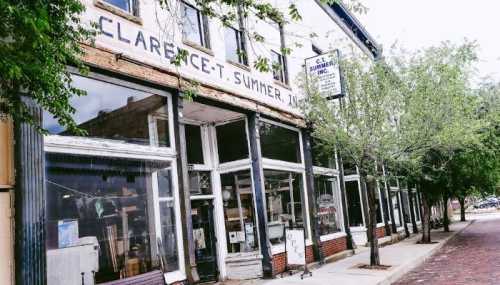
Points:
(471, 257)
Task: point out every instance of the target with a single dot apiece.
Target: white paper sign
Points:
(324, 71)
(295, 247)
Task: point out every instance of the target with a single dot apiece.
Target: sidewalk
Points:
(402, 256)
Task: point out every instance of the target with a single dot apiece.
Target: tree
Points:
(438, 115)
(360, 126)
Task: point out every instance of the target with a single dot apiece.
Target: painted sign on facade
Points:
(323, 70)
(154, 44)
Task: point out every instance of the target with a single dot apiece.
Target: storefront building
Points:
(185, 190)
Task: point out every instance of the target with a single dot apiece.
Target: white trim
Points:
(380, 225)
(279, 124)
(268, 163)
(232, 165)
(174, 276)
(332, 236)
(352, 177)
(325, 171)
(277, 248)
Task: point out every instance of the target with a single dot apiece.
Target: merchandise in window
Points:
(194, 26)
(103, 209)
(328, 206)
(200, 183)
(126, 5)
(232, 143)
(354, 204)
(284, 200)
(278, 66)
(239, 213)
(235, 46)
(114, 112)
(279, 143)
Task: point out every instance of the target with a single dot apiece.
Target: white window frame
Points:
(356, 178)
(108, 148)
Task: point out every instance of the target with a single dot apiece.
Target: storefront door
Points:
(204, 239)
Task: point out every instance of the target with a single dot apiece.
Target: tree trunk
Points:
(426, 221)
(372, 219)
(462, 208)
(446, 219)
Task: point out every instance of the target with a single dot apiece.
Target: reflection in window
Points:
(194, 26)
(239, 213)
(284, 200)
(279, 143)
(235, 47)
(321, 157)
(327, 199)
(278, 65)
(108, 202)
(114, 112)
(354, 204)
(406, 208)
(232, 141)
(416, 207)
(349, 167)
(194, 146)
(396, 207)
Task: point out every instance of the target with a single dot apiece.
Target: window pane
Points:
(379, 206)
(354, 204)
(122, 4)
(321, 157)
(194, 146)
(105, 203)
(239, 213)
(284, 200)
(191, 25)
(169, 237)
(232, 141)
(396, 207)
(279, 143)
(327, 199)
(232, 46)
(111, 111)
(165, 183)
(406, 214)
(200, 183)
(349, 167)
(162, 130)
(278, 66)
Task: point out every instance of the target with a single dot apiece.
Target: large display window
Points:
(112, 190)
(328, 204)
(284, 203)
(354, 204)
(396, 207)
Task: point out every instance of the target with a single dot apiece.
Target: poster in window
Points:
(199, 238)
(67, 233)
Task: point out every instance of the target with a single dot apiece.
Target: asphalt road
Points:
(471, 257)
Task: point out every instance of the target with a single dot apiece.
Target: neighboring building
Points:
(196, 189)
(6, 198)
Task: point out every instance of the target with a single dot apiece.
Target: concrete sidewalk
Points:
(402, 256)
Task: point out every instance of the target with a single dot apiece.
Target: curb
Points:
(409, 266)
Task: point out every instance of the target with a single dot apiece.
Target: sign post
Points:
(324, 71)
(295, 248)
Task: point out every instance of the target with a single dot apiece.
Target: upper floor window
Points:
(129, 6)
(279, 143)
(194, 26)
(235, 46)
(278, 64)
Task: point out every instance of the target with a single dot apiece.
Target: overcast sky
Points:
(416, 24)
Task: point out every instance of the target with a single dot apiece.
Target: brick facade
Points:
(331, 247)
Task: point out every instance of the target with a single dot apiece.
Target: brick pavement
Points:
(471, 257)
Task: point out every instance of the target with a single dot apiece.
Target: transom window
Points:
(279, 143)
(194, 26)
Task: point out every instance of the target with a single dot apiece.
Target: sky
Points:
(415, 24)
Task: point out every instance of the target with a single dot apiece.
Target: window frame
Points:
(241, 50)
(109, 149)
(203, 28)
(278, 74)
